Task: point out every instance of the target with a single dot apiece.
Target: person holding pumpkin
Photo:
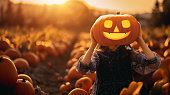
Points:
(111, 56)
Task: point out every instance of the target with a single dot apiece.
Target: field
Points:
(51, 55)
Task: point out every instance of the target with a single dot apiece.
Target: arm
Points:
(148, 53)
(87, 62)
(147, 62)
(87, 57)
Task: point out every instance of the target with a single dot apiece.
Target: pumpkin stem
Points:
(23, 80)
(1, 58)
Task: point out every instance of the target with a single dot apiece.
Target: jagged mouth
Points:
(116, 36)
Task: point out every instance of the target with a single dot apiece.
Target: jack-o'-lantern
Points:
(117, 29)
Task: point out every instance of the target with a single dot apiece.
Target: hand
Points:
(93, 41)
(140, 38)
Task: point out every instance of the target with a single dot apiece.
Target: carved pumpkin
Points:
(117, 29)
(78, 91)
(84, 83)
(21, 64)
(8, 72)
(13, 53)
(24, 87)
(32, 58)
(26, 77)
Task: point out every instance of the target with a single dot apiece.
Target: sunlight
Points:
(48, 2)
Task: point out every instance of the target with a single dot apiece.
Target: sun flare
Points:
(48, 2)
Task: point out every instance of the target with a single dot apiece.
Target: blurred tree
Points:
(8, 18)
(1, 16)
(156, 15)
(19, 17)
(166, 12)
(161, 17)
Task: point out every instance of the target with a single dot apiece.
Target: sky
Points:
(134, 6)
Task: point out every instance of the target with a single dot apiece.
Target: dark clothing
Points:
(114, 70)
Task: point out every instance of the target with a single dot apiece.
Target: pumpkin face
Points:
(111, 30)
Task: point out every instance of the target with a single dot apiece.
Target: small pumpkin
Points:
(71, 62)
(91, 76)
(78, 91)
(84, 83)
(1, 52)
(4, 45)
(8, 72)
(32, 58)
(26, 77)
(21, 64)
(133, 89)
(117, 29)
(51, 51)
(166, 53)
(90, 90)
(65, 87)
(13, 53)
(60, 79)
(158, 75)
(73, 74)
(24, 87)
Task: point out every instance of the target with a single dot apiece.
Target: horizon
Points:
(132, 7)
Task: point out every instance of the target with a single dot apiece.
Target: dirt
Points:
(45, 77)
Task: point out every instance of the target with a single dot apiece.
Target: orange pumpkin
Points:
(21, 63)
(4, 45)
(13, 53)
(78, 91)
(158, 75)
(90, 90)
(133, 89)
(60, 79)
(8, 72)
(166, 53)
(73, 74)
(117, 29)
(71, 62)
(32, 58)
(26, 77)
(91, 76)
(1, 52)
(65, 87)
(84, 83)
(24, 87)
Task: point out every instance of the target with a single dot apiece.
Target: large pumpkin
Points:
(24, 87)
(117, 29)
(8, 72)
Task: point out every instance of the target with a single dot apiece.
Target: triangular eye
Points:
(125, 23)
(108, 23)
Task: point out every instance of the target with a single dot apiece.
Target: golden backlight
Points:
(125, 23)
(108, 23)
(48, 2)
